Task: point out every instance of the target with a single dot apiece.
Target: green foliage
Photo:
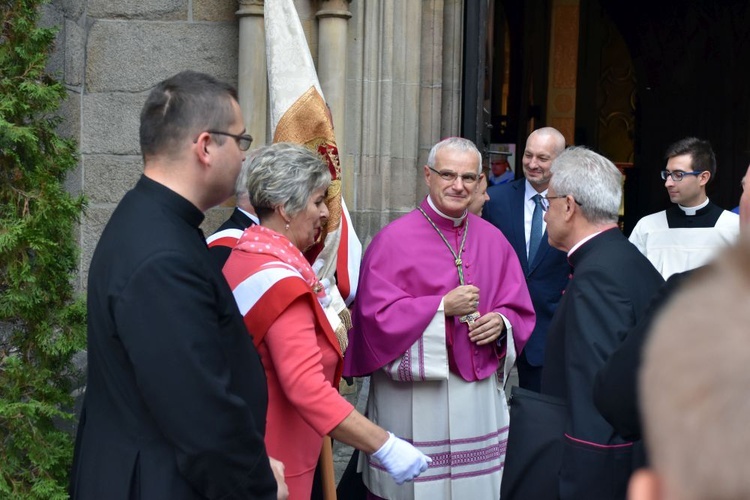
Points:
(42, 323)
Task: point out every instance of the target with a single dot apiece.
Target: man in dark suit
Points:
(511, 208)
(611, 287)
(175, 405)
(221, 242)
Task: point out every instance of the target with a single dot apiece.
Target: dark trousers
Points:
(350, 486)
(529, 377)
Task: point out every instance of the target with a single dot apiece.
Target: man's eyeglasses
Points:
(243, 141)
(546, 199)
(449, 176)
(677, 175)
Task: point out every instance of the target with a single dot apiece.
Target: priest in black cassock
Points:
(175, 404)
(611, 285)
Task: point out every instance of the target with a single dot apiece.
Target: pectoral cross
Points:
(466, 318)
(469, 318)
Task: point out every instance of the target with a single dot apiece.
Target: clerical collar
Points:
(693, 210)
(457, 221)
(250, 216)
(584, 240)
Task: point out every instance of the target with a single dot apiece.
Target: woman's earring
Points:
(286, 227)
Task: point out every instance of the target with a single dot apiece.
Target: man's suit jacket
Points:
(611, 288)
(176, 396)
(238, 220)
(546, 277)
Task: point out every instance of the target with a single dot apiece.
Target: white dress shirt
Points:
(528, 212)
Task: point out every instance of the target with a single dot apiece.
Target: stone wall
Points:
(110, 53)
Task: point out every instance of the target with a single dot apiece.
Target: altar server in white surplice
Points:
(690, 233)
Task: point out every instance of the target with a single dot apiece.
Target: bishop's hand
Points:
(463, 299)
(487, 329)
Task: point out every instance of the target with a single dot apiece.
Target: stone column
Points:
(252, 81)
(403, 95)
(333, 18)
(383, 92)
(450, 48)
(442, 72)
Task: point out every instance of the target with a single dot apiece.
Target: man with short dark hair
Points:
(689, 234)
(175, 405)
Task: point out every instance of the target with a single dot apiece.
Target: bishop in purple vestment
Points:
(441, 292)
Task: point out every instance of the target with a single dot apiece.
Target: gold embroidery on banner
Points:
(330, 154)
(306, 122)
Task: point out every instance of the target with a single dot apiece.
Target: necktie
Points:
(536, 228)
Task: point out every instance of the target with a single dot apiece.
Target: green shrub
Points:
(42, 324)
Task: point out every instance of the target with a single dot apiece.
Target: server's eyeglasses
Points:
(677, 175)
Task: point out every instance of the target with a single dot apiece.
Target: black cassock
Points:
(238, 220)
(611, 287)
(616, 388)
(176, 399)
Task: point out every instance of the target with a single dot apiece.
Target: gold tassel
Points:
(346, 318)
(342, 332)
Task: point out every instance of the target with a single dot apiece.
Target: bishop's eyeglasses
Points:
(678, 175)
(450, 176)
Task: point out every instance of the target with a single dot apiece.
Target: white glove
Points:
(402, 461)
(317, 266)
(324, 301)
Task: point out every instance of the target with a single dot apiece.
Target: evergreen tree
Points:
(42, 324)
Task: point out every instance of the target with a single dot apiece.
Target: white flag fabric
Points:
(299, 114)
(291, 71)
